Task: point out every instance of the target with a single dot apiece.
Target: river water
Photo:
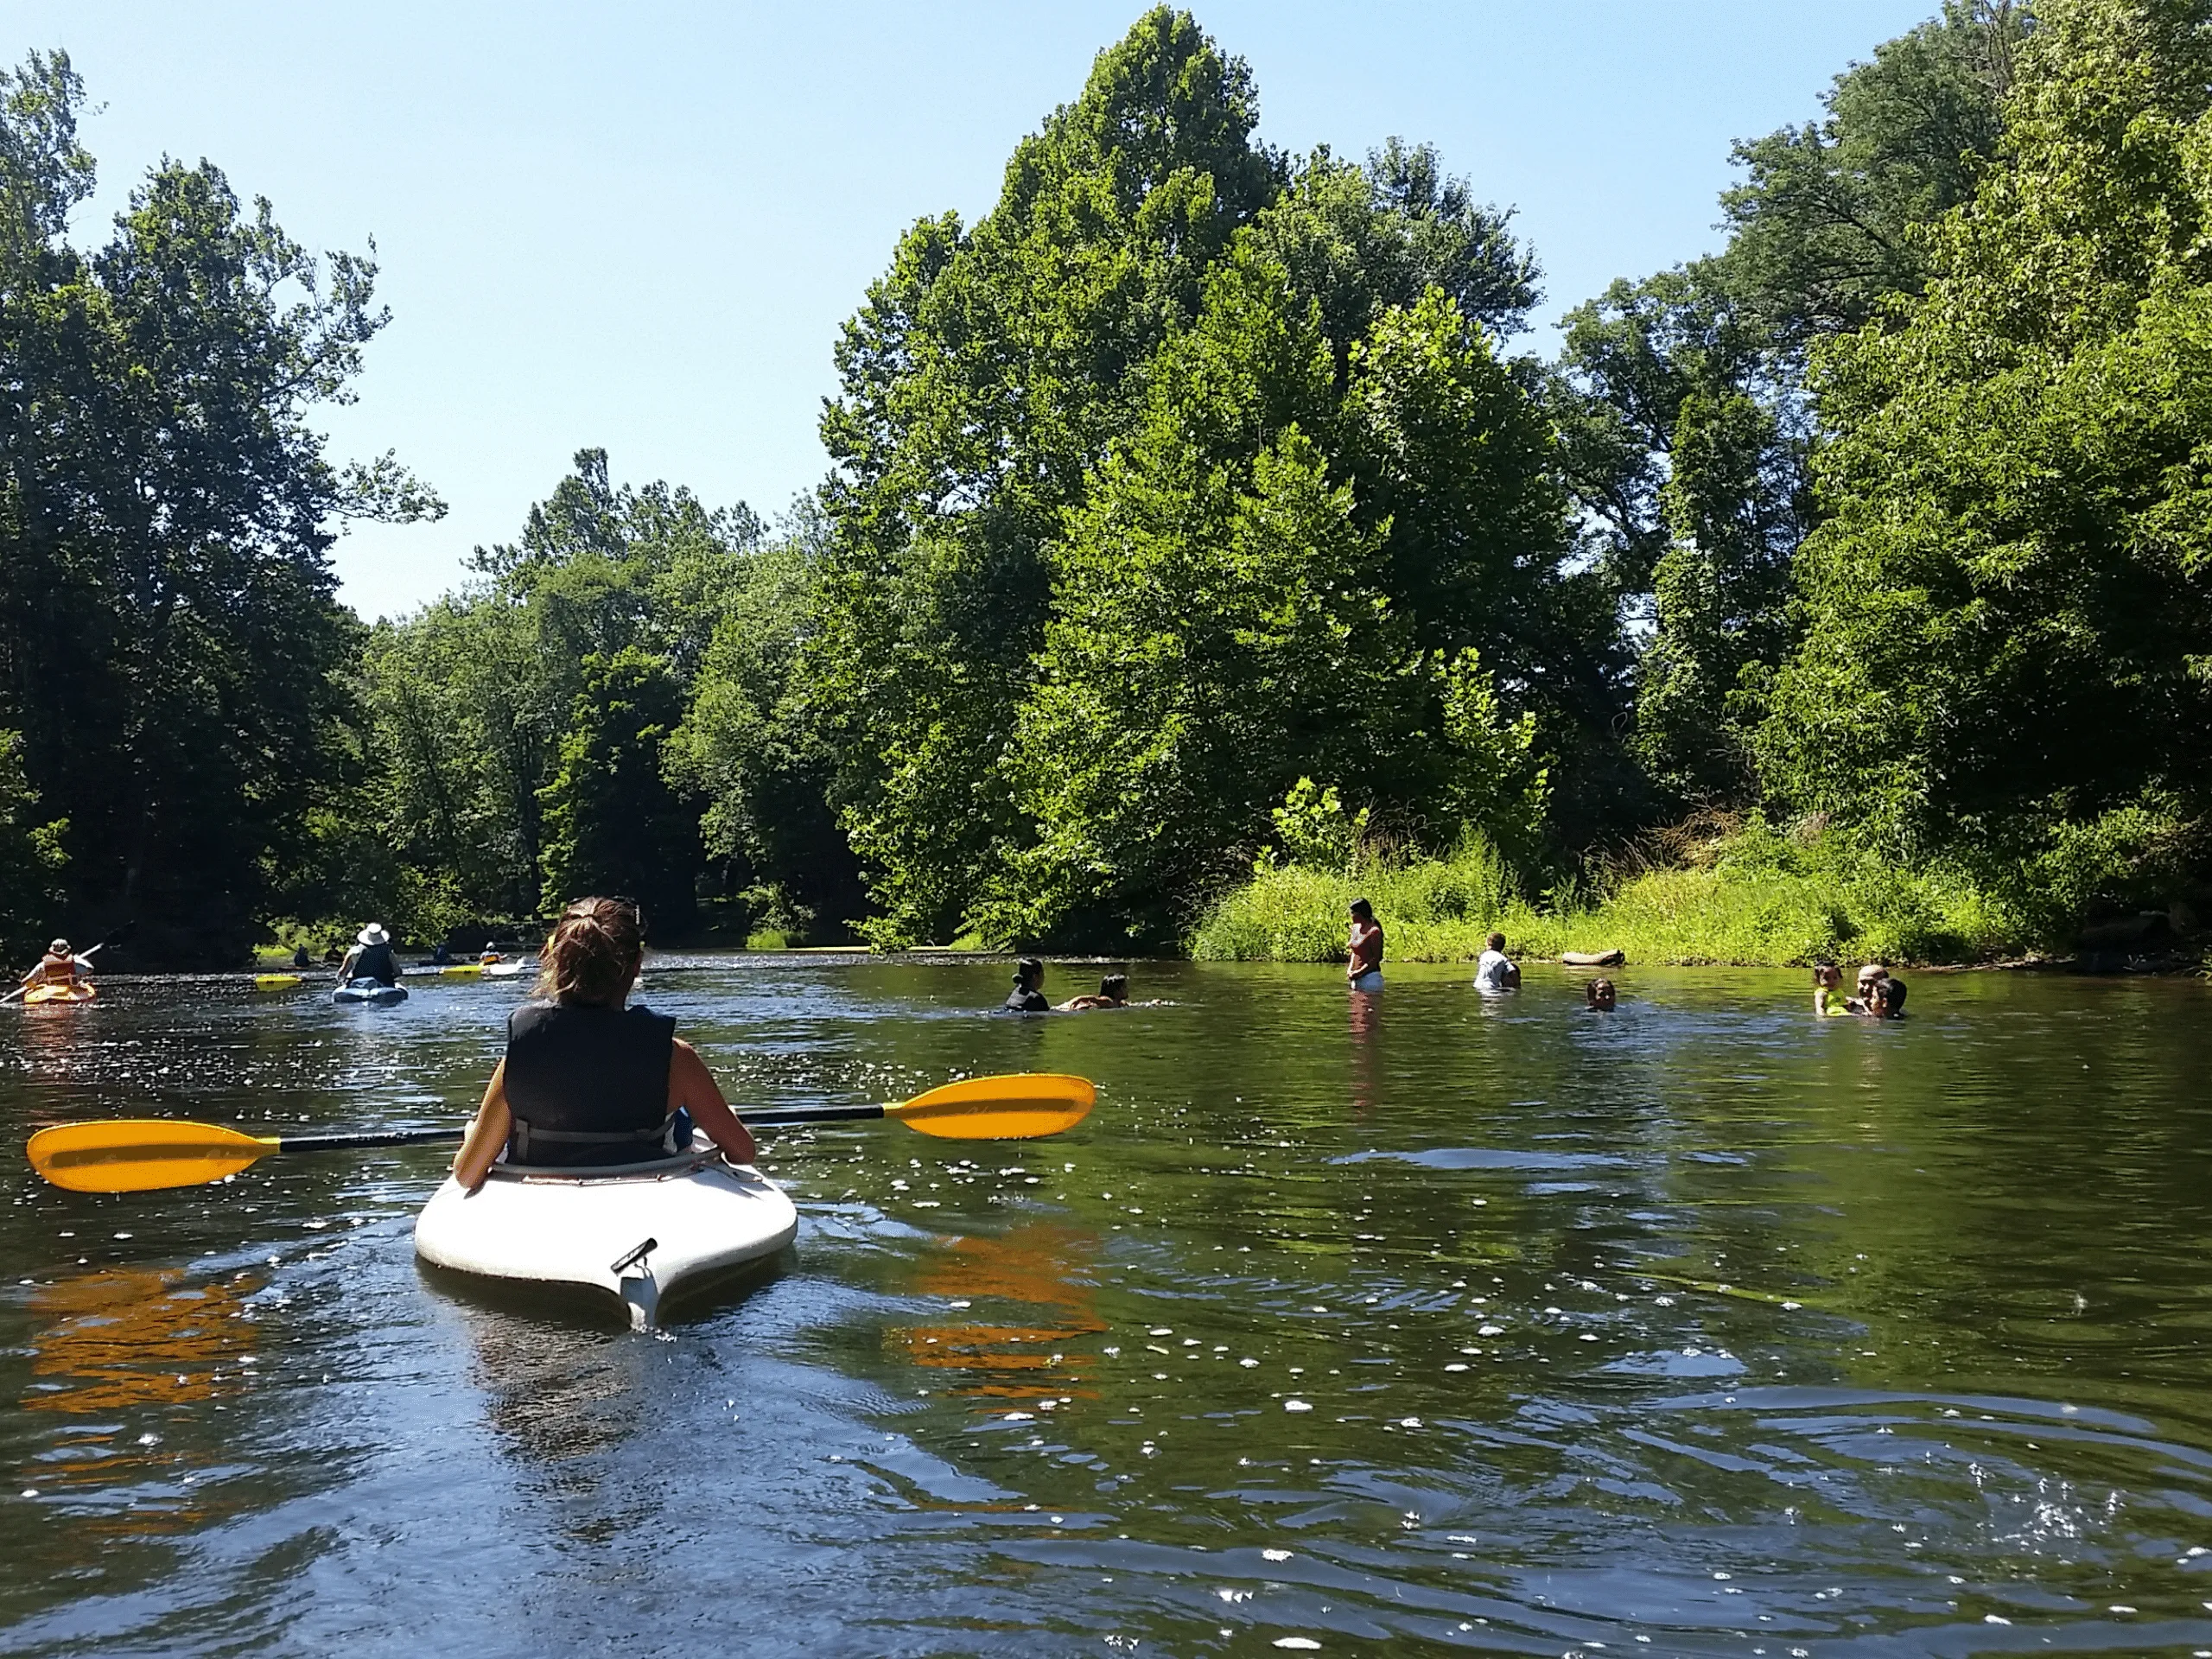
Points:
(1424, 1323)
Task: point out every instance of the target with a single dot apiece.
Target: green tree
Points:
(988, 372)
(750, 746)
(2008, 616)
(613, 824)
(168, 635)
(473, 698)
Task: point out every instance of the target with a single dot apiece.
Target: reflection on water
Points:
(1416, 1322)
(1039, 1268)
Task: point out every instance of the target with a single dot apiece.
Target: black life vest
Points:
(588, 1084)
(376, 962)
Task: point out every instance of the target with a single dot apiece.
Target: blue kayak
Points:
(368, 990)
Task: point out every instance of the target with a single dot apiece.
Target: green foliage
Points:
(2008, 621)
(988, 370)
(613, 825)
(167, 624)
(1312, 828)
(1754, 898)
(476, 703)
(751, 745)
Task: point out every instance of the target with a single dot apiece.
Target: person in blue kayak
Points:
(588, 1080)
(370, 958)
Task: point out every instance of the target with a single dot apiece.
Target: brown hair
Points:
(594, 953)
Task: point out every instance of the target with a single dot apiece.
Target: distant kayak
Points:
(277, 982)
(459, 970)
(368, 991)
(77, 993)
(504, 969)
(629, 1237)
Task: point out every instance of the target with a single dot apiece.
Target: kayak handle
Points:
(633, 1257)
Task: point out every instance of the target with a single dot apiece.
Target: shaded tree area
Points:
(171, 652)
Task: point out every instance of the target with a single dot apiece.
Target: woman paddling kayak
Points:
(587, 1081)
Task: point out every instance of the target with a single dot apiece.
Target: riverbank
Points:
(1762, 901)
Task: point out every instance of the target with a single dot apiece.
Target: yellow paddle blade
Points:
(1017, 1106)
(137, 1154)
(276, 981)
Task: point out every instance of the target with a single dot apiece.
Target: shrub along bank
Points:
(1756, 898)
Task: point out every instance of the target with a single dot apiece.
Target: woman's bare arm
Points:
(693, 1088)
(480, 1149)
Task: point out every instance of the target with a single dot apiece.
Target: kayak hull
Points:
(380, 996)
(705, 1219)
(40, 994)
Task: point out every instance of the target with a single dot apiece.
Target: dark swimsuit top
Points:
(588, 1084)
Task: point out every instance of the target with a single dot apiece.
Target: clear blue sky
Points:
(639, 226)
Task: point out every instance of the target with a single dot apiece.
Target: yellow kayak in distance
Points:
(277, 982)
(42, 994)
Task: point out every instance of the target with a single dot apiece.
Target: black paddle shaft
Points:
(398, 1138)
(766, 1119)
(771, 1118)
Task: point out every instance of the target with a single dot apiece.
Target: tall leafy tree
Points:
(615, 824)
(1681, 399)
(169, 634)
(2010, 612)
(475, 698)
(989, 371)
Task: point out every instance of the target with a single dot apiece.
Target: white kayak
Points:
(638, 1233)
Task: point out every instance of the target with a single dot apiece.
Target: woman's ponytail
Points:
(594, 953)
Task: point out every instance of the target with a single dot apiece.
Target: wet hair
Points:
(594, 953)
(1496, 942)
(1116, 986)
(1892, 994)
(1362, 909)
(1028, 971)
(1599, 991)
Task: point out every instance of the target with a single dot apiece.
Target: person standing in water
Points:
(1494, 970)
(1364, 970)
(1027, 995)
(370, 958)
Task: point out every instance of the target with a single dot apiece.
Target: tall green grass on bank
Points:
(1762, 900)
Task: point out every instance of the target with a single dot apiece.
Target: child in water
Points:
(1494, 970)
(1826, 978)
(1599, 996)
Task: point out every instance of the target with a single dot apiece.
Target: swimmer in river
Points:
(1598, 996)
(1827, 979)
(1027, 995)
(1871, 975)
(1364, 970)
(1113, 993)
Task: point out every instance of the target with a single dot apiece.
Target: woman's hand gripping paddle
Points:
(142, 1154)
